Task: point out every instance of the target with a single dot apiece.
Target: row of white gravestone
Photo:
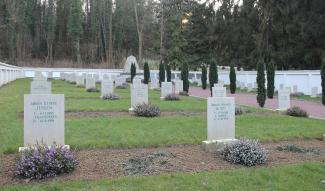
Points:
(220, 119)
(43, 115)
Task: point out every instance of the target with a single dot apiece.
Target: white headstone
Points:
(178, 86)
(281, 87)
(90, 83)
(218, 85)
(107, 87)
(40, 87)
(221, 118)
(137, 81)
(314, 91)
(219, 92)
(295, 89)
(166, 89)
(119, 81)
(80, 81)
(139, 95)
(154, 83)
(39, 76)
(249, 87)
(50, 75)
(284, 99)
(242, 85)
(43, 119)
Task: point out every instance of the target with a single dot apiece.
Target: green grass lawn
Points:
(301, 177)
(127, 131)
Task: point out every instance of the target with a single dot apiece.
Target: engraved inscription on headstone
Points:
(166, 89)
(107, 87)
(284, 99)
(219, 91)
(40, 87)
(178, 86)
(43, 119)
(221, 118)
(139, 95)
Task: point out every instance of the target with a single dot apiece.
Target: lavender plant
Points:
(146, 110)
(110, 96)
(245, 152)
(183, 93)
(172, 97)
(44, 162)
(92, 90)
(296, 111)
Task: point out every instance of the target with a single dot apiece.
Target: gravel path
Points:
(315, 110)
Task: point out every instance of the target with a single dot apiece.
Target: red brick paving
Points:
(315, 110)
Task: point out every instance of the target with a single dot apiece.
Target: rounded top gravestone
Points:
(127, 66)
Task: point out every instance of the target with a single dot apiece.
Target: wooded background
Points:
(100, 33)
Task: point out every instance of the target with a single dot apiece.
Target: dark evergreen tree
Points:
(213, 74)
(232, 78)
(270, 79)
(161, 73)
(169, 73)
(184, 76)
(133, 72)
(323, 80)
(146, 73)
(204, 77)
(260, 79)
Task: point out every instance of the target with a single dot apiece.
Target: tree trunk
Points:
(139, 30)
(161, 32)
(110, 36)
(77, 47)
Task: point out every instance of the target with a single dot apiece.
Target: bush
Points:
(110, 96)
(245, 152)
(323, 79)
(183, 93)
(161, 73)
(184, 76)
(296, 112)
(172, 97)
(297, 94)
(204, 77)
(146, 73)
(260, 79)
(146, 110)
(168, 73)
(232, 78)
(213, 74)
(133, 71)
(270, 79)
(43, 162)
(92, 90)
(238, 110)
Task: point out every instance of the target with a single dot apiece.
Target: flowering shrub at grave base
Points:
(296, 112)
(110, 96)
(245, 152)
(297, 94)
(124, 86)
(147, 110)
(183, 93)
(44, 162)
(172, 97)
(92, 90)
(238, 110)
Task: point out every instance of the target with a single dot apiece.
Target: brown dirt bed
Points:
(109, 163)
